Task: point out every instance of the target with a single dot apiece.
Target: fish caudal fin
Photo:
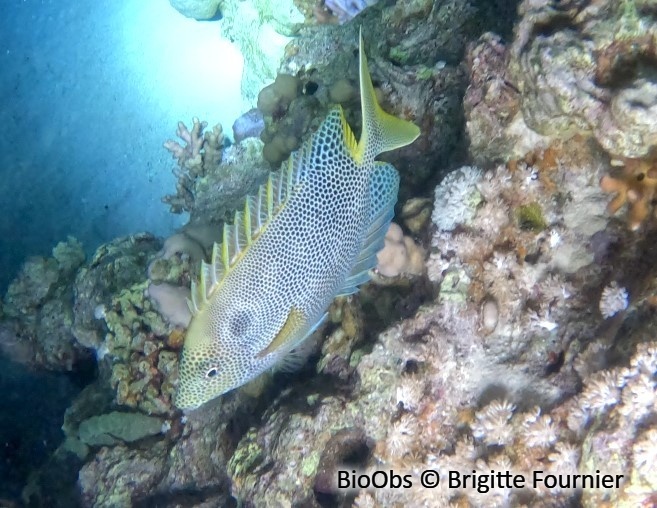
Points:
(381, 131)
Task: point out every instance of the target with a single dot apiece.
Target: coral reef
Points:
(457, 199)
(38, 312)
(525, 344)
(415, 68)
(212, 181)
(491, 101)
(489, 376)
(588, 67)
(113, 267)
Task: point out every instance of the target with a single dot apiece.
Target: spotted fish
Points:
(311, 234)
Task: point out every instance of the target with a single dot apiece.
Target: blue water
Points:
(90, 91)
(32, 406)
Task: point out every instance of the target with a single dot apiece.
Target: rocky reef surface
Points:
(509, 325)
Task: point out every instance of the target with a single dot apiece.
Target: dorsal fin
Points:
(247, 226)
(381, 131)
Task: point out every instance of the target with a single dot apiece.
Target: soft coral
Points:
(636, 185)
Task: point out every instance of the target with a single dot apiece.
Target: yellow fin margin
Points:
(382, 131)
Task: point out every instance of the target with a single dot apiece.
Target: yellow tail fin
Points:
(381, 131)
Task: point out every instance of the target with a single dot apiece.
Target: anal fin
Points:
(296, 358)
(384, 186)
(256, 386)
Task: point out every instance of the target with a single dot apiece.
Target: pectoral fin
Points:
(288, 336)
(256, 387)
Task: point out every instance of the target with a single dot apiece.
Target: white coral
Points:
(602, 391)
(542, 433)
(579, 416)
(639, 397)
(409, 393)
(457, 198)
(401, 436)
(613, 300)
(492, 424)
(645, 457)
(565, 459)
(645, 359)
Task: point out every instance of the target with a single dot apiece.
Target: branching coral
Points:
(201, 152)
(212, 181)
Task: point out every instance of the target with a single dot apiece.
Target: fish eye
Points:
(212, 372)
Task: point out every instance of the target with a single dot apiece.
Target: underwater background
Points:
(509, 323)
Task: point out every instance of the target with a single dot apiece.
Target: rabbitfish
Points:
(311, 233)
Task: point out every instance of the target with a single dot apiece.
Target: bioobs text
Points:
(377, 480)
(482, 482)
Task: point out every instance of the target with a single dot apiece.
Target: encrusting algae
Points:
(311, 233)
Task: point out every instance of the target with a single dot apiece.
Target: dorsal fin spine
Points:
(193, 294)
(290, 176)
(225, 258)
(213, 263)
(237, 248)
(270, 197)
(201, 284)
(206, 275)
(192, 307)
(258, 213)
(248, 232)
(279, 191)
(247, 225)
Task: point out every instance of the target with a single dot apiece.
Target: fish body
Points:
(310, 234)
